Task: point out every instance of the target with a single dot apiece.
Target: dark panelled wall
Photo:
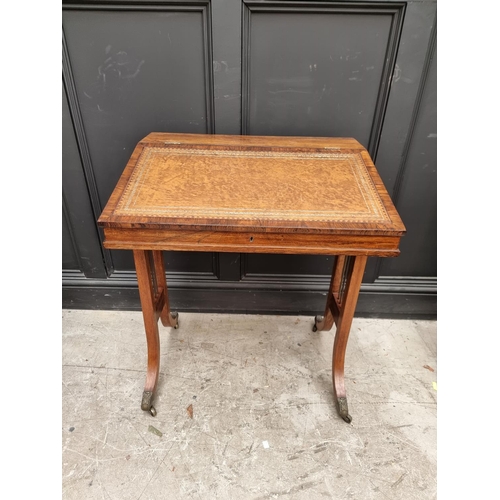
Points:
(359, 69)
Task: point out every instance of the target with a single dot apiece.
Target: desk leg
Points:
(340, 306)
(154, 302)
(325, 323)
(167, 318)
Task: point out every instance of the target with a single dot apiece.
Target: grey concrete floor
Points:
(245, 410)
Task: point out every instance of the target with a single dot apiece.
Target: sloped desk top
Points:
(250, 184)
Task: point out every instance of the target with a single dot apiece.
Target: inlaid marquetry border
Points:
(375, 209)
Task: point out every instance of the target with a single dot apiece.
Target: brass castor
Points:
(175, 315)
(147, 403)
(347, 418)
(317, 320)
(343, 411)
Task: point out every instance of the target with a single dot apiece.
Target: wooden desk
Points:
(221, 193)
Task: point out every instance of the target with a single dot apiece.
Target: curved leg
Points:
(148, 292)
(167, 318)
(154, 302)
(345, 316)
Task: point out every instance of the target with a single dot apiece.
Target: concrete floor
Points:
(245, 410)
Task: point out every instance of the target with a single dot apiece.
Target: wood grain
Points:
(344, 318)
(284, 195)
(190, 182)
(239, 183)
(251, 242)
(147, 296)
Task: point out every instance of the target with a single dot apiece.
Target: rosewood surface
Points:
(252, 194)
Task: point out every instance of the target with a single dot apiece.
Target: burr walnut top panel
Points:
(186, 180)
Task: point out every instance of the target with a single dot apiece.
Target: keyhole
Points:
(251, 239)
